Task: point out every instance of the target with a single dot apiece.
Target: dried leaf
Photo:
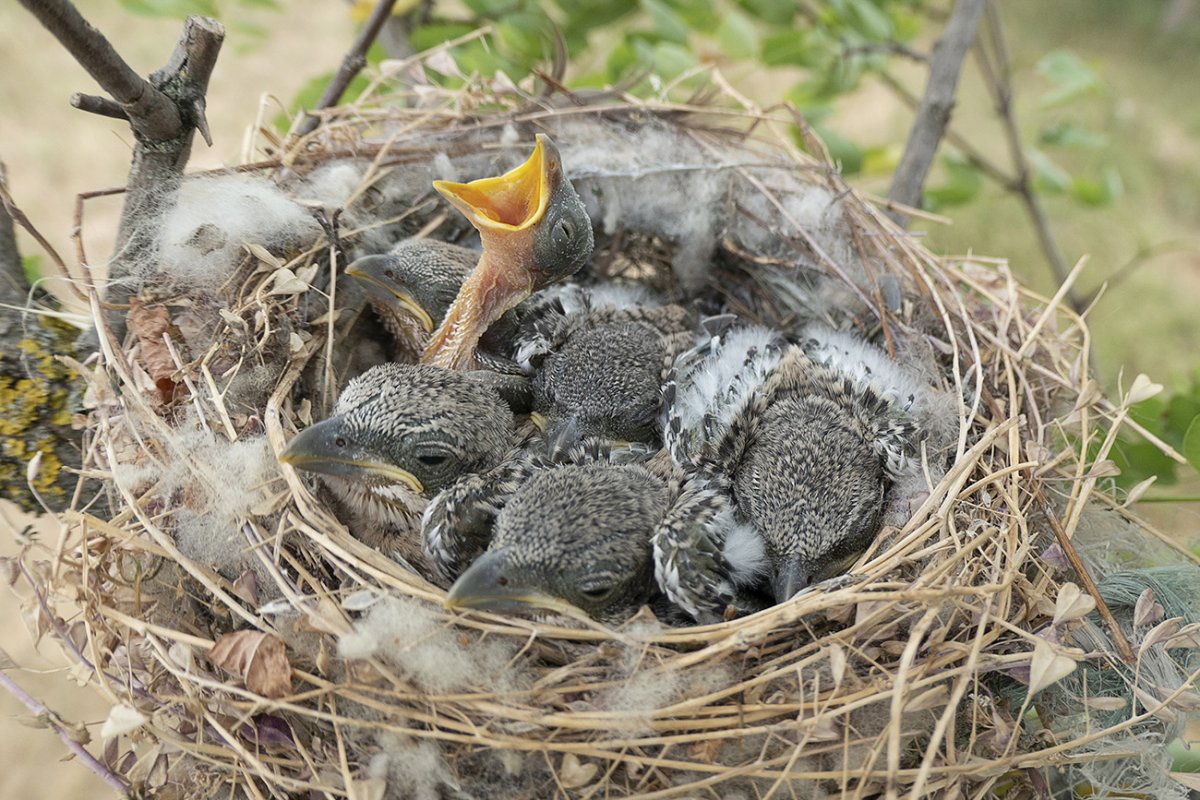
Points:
(246, 587)
(574, 774)
(361, 600)
(121, 719)
(1072, 603)
(1160, 633)
(368, 789)
(260, 659)
(1106, 703)
(1188, 636)
(936, 697)
(1142, 389)
(1135, 494)
(1047, 667)
(295, 342)
(286, 282)
(150, 324)
(837, 663)
(264, 255)
(1147, 611)
(1155, 706)
(442, 62)
(1104, 469)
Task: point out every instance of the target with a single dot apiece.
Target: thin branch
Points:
(1143, 256)
(9, 209)
(1085, 577)
(102, 106)
(152, 114)
(997, 77)
(352, 64)
(960, 143)
(936, 105)
(44, 714)
(13, 285)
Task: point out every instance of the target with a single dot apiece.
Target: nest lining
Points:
(909, 676)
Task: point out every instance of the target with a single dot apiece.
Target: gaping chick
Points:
(534, 230)
(411, 289)
(398, 435)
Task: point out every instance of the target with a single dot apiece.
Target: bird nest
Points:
(251, 646)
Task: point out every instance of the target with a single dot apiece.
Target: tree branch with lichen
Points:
(36, 399)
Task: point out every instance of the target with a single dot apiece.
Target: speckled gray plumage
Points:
(603, 369)
(436, 424)
(582, 533)
(805, 452)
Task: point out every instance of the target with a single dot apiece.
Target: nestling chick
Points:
(398, 435)
(534, 230)
(807, 454)
(576, 535)
(585, 534)
(601, 356)
(411, 288)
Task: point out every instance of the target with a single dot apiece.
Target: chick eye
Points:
(563, 230)
(596, 593)
(387, 273)
(432, 460)
(340, 441)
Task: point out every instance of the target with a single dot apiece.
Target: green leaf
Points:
(737, 37)
(813, 49)
(32, 267)
(671, 59)
(1047, 176)
(772, 12)
(698, 14)
(870, 20)
(1098, 193)
(622, 60)
(1191, 444)
(522, 34)
(1177, 416)
(170, 8)
(667, 23)
(1069, 76)
(962, 184)
(1139, 460)
(489, 8)
(1069, 134)
(424, 37)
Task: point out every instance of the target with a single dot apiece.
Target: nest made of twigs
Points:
(338, 674)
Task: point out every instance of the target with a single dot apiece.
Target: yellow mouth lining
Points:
(514, 201)
(389, 471)
(405, 300)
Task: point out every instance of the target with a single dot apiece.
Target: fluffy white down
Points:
(867, 365)
(414, 637)
(722, 381)
(203, 236)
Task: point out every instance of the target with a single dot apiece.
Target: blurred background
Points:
(1100, 143)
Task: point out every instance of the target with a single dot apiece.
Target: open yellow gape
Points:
(509, 212)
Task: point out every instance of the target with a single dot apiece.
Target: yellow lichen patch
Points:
(35, 413)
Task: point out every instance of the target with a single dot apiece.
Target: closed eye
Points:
(432, 460)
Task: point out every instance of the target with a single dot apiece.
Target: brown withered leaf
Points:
(149, 324)
(260, 659)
